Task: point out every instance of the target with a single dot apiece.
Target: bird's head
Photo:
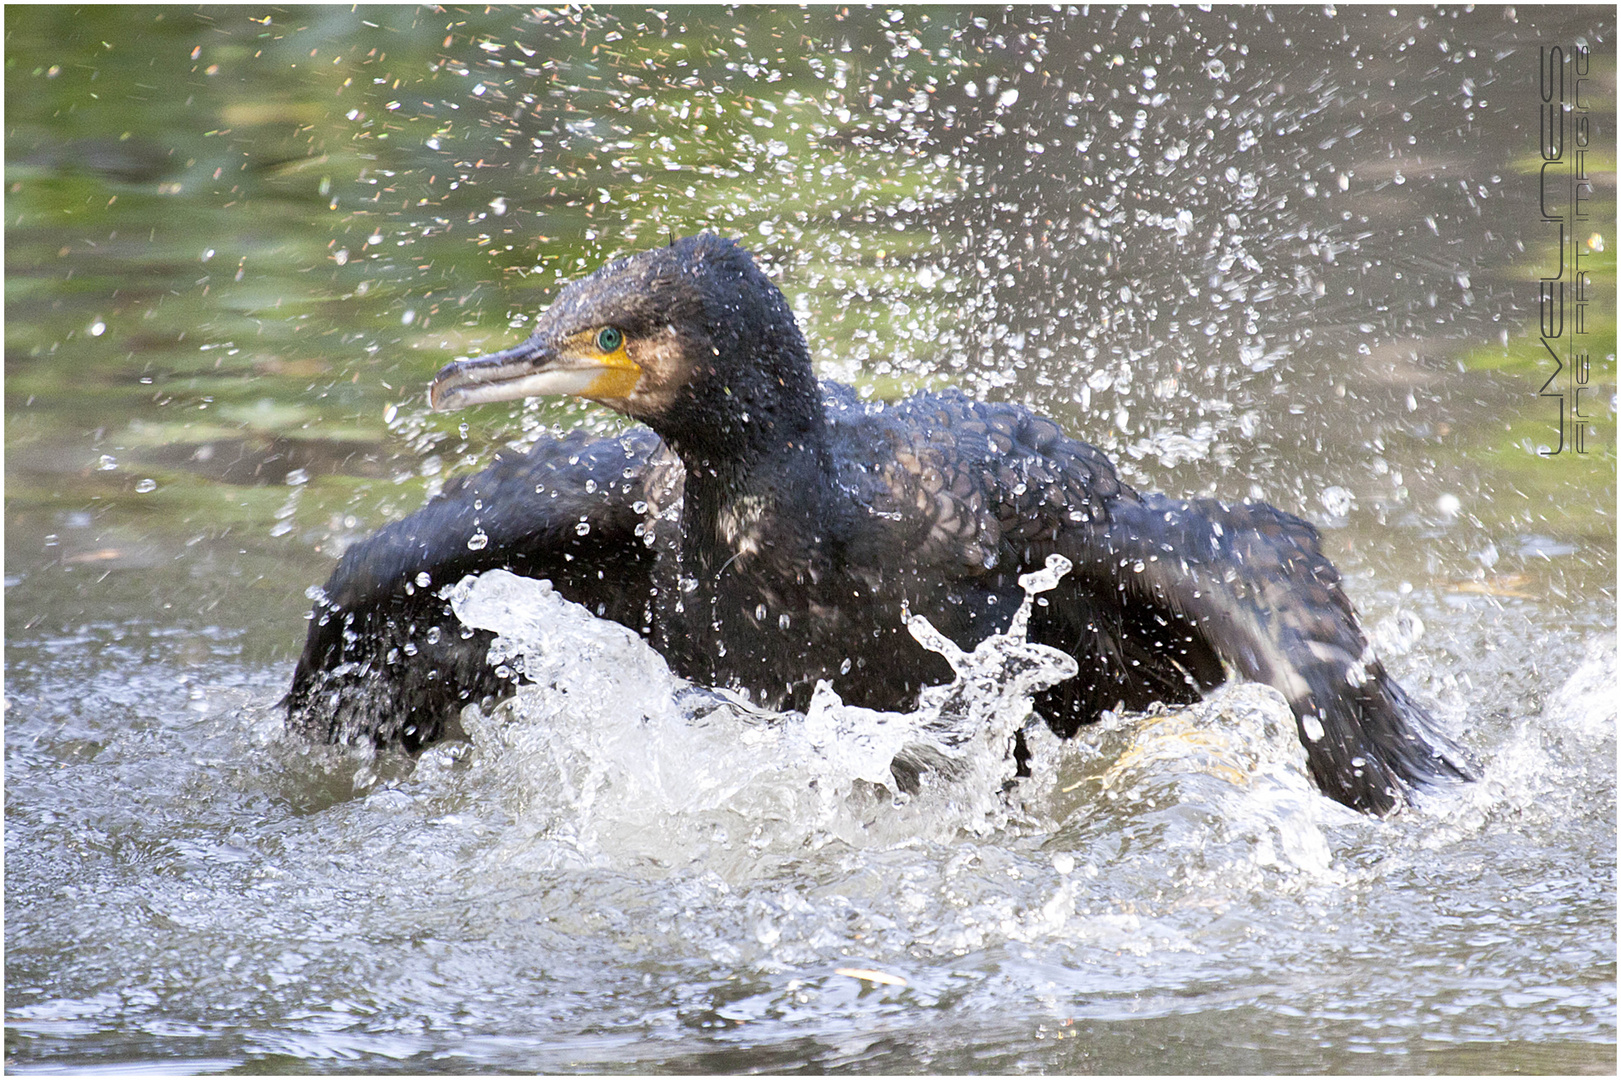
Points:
(691, 339)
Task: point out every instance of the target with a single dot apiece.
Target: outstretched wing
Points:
(1165, 594)
(387, 660)
(976, 494)
(1253, 582)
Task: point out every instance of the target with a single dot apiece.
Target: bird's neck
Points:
(735, 504)
(758, 471)
(750, 424)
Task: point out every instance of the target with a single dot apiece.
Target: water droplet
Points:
(1337, 501)
(478, 541)
(146, 485)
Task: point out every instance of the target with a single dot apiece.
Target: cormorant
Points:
(764, 531)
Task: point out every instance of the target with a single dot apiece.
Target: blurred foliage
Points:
(239, 240)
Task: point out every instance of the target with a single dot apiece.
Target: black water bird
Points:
(765, 531)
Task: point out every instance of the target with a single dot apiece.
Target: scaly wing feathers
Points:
(386, 659)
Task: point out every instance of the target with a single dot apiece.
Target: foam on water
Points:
(605, 758)
(608, 752)
(618, 848)
(1539, 773)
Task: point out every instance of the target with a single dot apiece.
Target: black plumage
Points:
(765, 531)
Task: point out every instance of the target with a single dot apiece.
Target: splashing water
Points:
(608, 756)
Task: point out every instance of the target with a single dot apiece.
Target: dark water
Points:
(1290, 255)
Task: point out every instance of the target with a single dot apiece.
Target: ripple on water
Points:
(616, 851)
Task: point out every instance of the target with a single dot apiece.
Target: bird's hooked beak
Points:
(536, 368)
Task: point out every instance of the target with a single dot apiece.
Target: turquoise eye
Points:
(609, 338)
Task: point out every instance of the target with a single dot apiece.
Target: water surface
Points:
(1286, 255)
